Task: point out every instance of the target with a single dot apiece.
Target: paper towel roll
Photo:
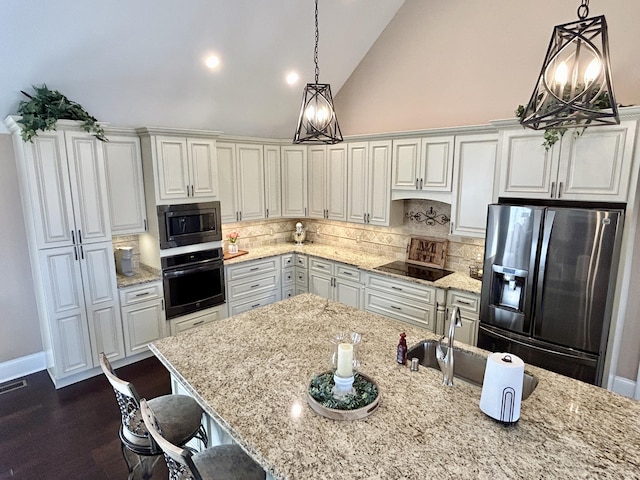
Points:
(502, 387)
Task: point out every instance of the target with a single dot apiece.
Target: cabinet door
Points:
(173, 168)
(101, 300)
(596, 164)
(226, 155)
(436, 167)
(125, 186)
(348, 293)
(336, 182)
(358, 165)
(272, 181)
(474, 174)
(203, 169)
(90, 204)
(321, 284)
(379, 187)
(250, 181)
(143, 324)
(527, 169)
(47, 174)
(294, 182)
(467, 333)
(317, 181)
(62, 282)
(405, 163)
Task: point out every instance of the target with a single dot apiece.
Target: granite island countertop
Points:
(251, 372)
(362, 260)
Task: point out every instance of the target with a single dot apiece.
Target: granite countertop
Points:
(251, 372)
(364, 261)
(143, 274)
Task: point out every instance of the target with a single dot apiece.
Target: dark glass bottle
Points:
(402, 349)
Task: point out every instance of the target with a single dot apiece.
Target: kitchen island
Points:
(251, 372)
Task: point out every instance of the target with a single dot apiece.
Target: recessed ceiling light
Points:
(292, 78)
(212, 62)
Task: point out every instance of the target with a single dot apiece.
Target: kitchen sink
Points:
(467, 366)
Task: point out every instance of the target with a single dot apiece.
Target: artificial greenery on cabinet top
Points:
(46, 107)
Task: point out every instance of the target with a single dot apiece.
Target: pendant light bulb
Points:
(593, 71)
(562, 73)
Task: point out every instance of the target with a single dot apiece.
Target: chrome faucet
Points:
(446, 361)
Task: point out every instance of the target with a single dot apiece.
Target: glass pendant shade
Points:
(317, 122)
(574, 87)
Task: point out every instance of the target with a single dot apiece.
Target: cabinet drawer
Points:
(180, 326)
(288, 292)
(465, 301)
(393, 307)
(251, 269)
(253, 303)
(253, 286)
(347, 272)
(288, 277)
(288, 260)
(140, 293)
(321, 266)
(302, 279)
(301, 260)
(414, 291)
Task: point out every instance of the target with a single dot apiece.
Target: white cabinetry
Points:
(183, 166)
(196, 319)
(294, 181)
(294, 275)
(125, 185)
(328, 182)
(142, 316)
(335, 281)
(272, 181)
(253, 284)
(594, 165)
(242, 181)
(469, 305)
(474, 183)
(405, 301)
(369, 184)
(423, 164)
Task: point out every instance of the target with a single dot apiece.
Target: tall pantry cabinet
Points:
(63, 193)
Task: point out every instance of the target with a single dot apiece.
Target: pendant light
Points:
(317, 122)
(574, 87)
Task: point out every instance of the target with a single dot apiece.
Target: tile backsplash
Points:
(421, 218)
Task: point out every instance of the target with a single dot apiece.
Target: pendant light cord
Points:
(583, 11)
(315, 53)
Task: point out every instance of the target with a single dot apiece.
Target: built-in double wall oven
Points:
(192, 280)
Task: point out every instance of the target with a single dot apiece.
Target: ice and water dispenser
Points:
(508, 287)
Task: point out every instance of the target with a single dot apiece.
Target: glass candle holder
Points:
(345, 353)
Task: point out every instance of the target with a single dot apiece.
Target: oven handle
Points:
(181, 271)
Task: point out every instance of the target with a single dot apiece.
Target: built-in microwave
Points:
(188, 224)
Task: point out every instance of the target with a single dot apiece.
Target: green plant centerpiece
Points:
(46, 107)
(321, 389)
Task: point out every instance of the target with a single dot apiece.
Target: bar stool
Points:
(223, 462)
(180, 415)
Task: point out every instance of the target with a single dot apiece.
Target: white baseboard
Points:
(19, 367)
(624, 386)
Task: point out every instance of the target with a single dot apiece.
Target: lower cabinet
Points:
(193, 320)
(294, 275)
(335, 281)
(143, 316)
(405, 301)
(253, 284)
(469, 305)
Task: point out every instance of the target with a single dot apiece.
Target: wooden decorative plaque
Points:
(427, 251)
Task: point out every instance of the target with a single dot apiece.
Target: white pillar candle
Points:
(345, 360)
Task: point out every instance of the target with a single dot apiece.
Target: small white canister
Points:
(502, 387)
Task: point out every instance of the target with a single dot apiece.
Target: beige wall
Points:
(19, 328)
(446, 63)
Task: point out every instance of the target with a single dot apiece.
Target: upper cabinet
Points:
(294, 181)
(184, 166)
(125, 185)
(475, 171)
(242, 181)
(423, 164)
(272, 181)
(369, 184)
(328, 182)
(593, 164)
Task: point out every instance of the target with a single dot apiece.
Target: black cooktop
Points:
(414, 271)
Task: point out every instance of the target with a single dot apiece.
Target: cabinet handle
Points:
(75, 253)
(305, 211)
(73, 237)
(267, 213)
(254, 269)
(188, 195)
(464, 302)
(198, 323)
(240, 215)
(256, 285)
(79, 236)
(192, 194)
(348, 273)
(256, 305)
(364, 218)
(142, 294)
(395, 308)
(320, 266)
(553, 187)
(368, 218)
(560, 190)
(451, 226)
(416, 184)
(81, 252)
(421, 184)
(162, 304)
(237, 217)
(396, 288)
(145, 224)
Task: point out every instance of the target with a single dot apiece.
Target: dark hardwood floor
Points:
(71, 433)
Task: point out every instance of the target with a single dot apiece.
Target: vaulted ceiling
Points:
(141, 62)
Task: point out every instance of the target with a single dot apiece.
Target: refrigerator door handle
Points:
(544, 251)
(553, 188)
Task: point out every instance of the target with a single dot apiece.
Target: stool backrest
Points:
(178, 459)
(128, 400)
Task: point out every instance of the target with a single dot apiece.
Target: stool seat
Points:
(226, 462)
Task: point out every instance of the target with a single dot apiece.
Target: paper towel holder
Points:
(502, 387)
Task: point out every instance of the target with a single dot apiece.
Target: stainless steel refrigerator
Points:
(548, 285)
